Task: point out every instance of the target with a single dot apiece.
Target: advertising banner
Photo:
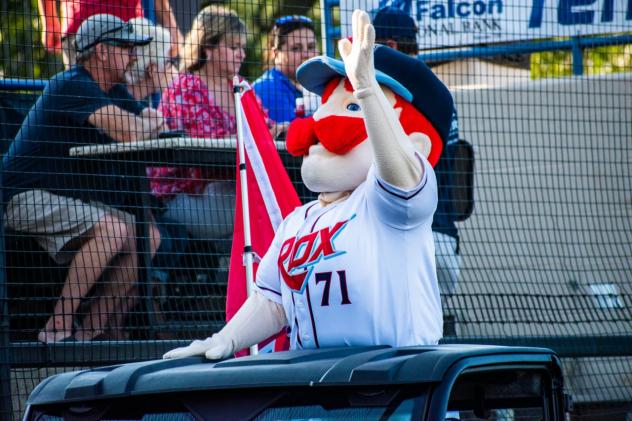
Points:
(452, 23)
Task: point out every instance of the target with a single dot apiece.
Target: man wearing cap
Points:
(356, 267)
(397, 29)
(72, 206)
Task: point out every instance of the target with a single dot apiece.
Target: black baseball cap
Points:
(393, 23)
(405, 75)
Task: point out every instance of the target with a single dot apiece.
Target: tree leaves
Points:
(22, 53)
(20, 42)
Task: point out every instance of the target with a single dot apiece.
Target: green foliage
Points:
(610, 59)
(551, 64)
(22, 53)
(600, 60)
(24, 56)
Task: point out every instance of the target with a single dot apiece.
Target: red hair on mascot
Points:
(357, 266)
(333, 131)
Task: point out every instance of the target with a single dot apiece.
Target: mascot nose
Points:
(300, 136)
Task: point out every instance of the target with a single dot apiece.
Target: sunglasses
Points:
(284, 20)
(173, 61)
(117, 43)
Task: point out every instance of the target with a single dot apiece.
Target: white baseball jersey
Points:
(360, 271)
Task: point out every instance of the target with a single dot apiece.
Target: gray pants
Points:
(209, 215)
(448, 262)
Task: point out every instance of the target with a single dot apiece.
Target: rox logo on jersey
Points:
(298, 255)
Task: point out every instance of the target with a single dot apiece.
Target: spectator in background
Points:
(395, 28)
(154, 68)
(150, 73)
(59, 29)
(398, 30)
(200, 102)
(74, 207)
(291, 41)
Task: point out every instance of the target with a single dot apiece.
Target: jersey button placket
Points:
(303, 317)
(300, 311)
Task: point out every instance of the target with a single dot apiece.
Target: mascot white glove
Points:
(257, 319)
(215, 346)
(358, 56)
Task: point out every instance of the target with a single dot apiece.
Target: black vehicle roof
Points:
(322, 367)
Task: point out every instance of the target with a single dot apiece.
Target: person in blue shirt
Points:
(291, 41)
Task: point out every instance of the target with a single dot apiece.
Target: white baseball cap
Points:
(107, 28)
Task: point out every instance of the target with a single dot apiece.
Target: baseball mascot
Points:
(357, 266)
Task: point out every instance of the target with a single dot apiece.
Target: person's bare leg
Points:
(130, 298)
(110, 290)
(118, 292)
(106, 239)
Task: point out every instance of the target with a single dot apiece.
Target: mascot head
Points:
(336, 155)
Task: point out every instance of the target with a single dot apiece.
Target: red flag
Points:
(271, 197)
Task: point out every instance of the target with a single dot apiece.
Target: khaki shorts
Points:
(57, 223)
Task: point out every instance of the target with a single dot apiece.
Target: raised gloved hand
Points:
(358, 55)
(257, 319)
(393, 151)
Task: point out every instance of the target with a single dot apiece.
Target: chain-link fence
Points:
(119, 171)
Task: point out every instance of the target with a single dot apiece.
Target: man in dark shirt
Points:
(74, 207)
(397, 29)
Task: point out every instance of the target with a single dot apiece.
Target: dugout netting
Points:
(537, 186)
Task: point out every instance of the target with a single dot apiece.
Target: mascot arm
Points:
(257, 319)
(393, 151)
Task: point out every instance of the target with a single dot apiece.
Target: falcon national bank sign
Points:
(448, 23)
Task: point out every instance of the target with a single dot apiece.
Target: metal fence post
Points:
(149, 10)
(329, 32)
(577, 55)
(6, 403)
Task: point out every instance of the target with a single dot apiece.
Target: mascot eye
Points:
(353, 107)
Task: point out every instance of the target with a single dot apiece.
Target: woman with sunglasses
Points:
(291, 41)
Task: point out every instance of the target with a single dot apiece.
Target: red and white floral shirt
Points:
(188, 105)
